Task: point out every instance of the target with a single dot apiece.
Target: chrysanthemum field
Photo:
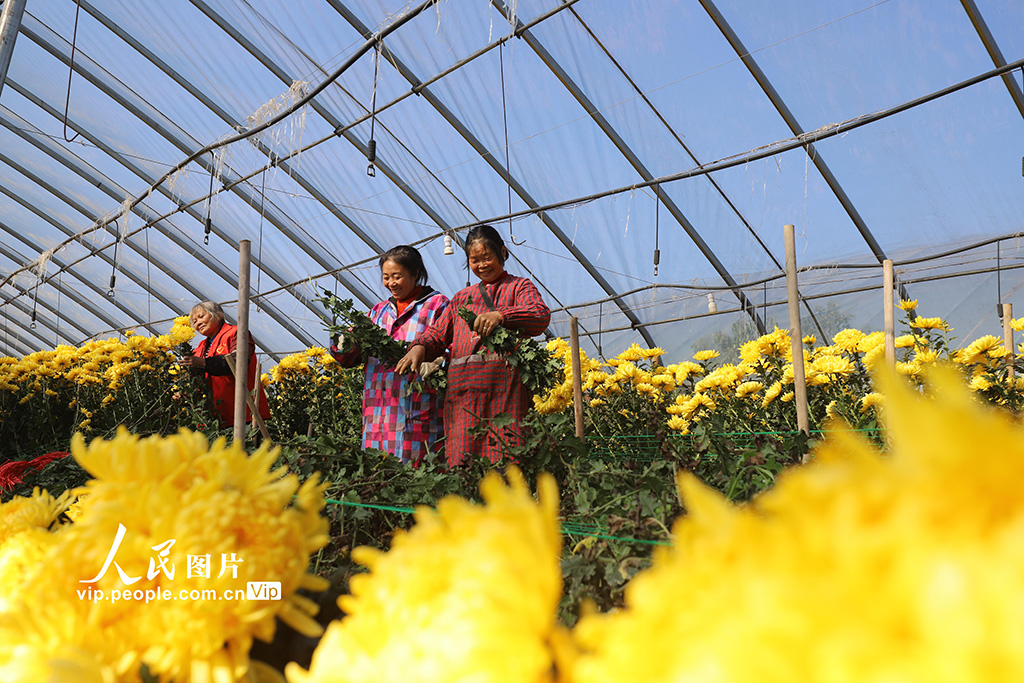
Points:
(683, 539)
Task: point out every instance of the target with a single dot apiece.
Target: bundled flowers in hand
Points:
(538, 369)
(356, 332)
(154, 571)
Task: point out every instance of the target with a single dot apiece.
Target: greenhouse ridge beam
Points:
(151, 117)
(389, 56)
(994, 52)
(634, 161)
(769, 90)
(181, 240)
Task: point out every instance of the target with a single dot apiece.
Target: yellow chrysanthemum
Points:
(848, 340)
(468, 594)
(1017, 324)
(978, 350)
(979, 383)
(38, 511)
(872, 400)
(748, 388)
(833, 365)
(930, 324)
(771, 393)
(856, 567)
(633, 353)
(905, 341)
(186, 498)
(908, 304)
(678, 424)
(702, 356)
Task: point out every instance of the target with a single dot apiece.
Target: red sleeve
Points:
(526, 312)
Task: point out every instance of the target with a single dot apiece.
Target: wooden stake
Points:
(242, 338)
(799, 382)
(577, 381)
(1008, 336)
(887, 312)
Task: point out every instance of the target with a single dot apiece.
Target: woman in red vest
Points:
(209, 358)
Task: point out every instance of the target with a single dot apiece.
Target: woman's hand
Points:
(193, 362)
(486, 322)
(411, 360)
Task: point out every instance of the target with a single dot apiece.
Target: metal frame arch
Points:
(407, 73)
(634, 160)
(794, 126)
(151, 117)
(179, 237)
(989, 41)
(64, 290)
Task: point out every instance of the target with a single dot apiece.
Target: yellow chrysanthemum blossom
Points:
(38, 511)
(905, 341)
(872, 400)
(833, 365)
(978, 350)
(848, 339)
(1017, 324)
(176, 498)
(748, 388)
(702, 356)
(771, 393)
(678, 424)
(930, 324)
(468, 594)
(856, 567)
(908, 304)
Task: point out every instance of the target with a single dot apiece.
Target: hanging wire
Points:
(149, 283)
(371, 146)
(113, 267)
(999, 283)
(657, 252)
(60, 287)
(71, 71)
(35, 299)
(508, 167)
(209, 202)
(259, 248)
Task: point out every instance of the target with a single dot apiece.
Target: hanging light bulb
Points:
(712, 306)
(448, 248)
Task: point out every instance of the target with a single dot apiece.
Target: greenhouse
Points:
(622, 220)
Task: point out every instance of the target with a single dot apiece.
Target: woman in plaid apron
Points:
(396, 420)
(481, 385)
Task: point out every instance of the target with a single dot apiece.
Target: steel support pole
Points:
(10, 22)
(242, 355)
(803, 422)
